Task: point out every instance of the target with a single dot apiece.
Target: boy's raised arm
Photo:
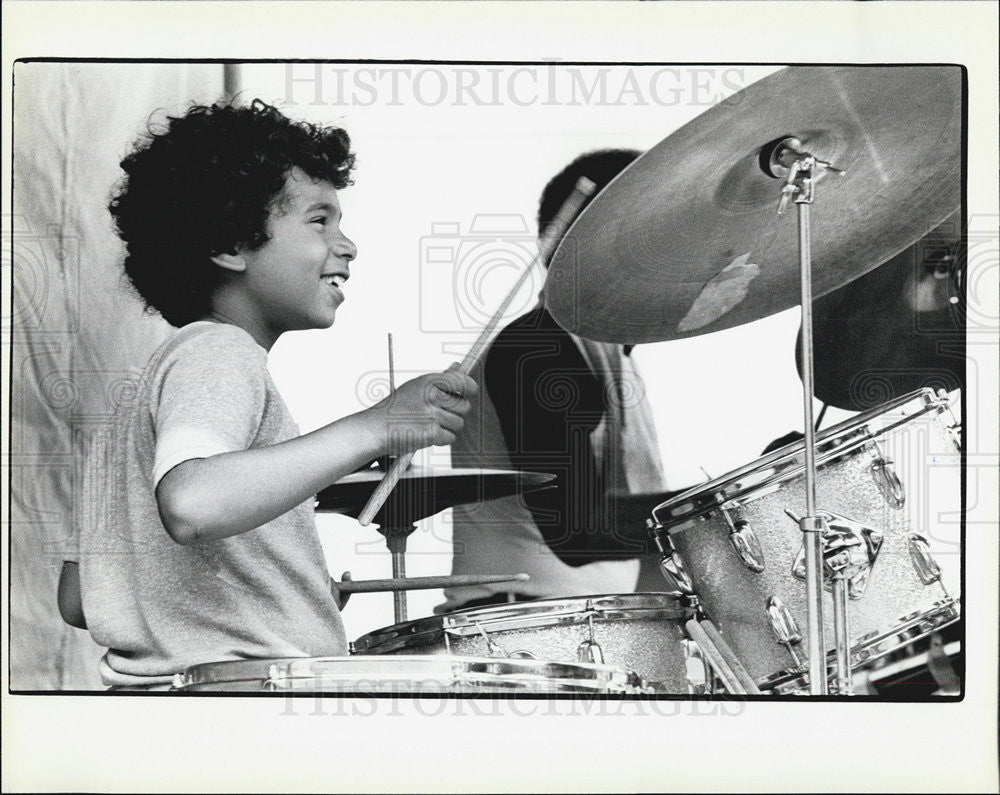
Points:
(223, 495)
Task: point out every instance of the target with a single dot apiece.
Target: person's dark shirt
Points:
(548, 402)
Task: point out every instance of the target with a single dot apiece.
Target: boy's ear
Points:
(231, 261)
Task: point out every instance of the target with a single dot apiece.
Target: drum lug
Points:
(671, 563)
(745, 542)
(784, 626)
(886, 479)
(926, 566)
(492, 648)
(277, 676)
(849, 550)
(954, 428)
(673, 571)
(590, 650)
(672, 568)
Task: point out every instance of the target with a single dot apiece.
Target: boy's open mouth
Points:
(334, 279)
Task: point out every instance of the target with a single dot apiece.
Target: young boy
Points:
(207, 548)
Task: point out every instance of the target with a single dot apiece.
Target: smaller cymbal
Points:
(423, 492)
(895, 329)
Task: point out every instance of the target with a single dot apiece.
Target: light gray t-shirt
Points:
(159, 606)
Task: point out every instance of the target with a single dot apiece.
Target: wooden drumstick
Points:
(708, 648)
(424, 583)
(550, 237)
(392, 368)
(734, 663)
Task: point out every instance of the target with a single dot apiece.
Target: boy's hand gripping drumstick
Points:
(552, 234)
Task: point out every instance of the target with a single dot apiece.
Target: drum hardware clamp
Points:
(848, 546)
(801, 169)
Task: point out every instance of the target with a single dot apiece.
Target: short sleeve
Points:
(209, 395)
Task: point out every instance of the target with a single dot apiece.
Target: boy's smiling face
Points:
(293, 281)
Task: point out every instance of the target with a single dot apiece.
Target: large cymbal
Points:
(659, 236)
(893, 330)
(424, 492)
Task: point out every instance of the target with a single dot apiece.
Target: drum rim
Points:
(700, 500)
(242, 670)
(866, 649)
(527, 615)
(414, 668)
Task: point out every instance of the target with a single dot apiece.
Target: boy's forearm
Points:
(224, 495)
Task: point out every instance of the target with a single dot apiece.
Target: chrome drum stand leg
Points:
(845, 677)
(800, 170)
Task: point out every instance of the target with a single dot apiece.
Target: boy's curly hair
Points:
(204, 185)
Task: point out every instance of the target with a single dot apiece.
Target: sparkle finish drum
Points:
(888, 482)
(643, 632)
(407, 675)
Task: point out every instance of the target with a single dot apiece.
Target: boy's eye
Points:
(319, 219)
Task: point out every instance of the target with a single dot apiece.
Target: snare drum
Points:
(409, 675)
(643, 632)
(888, 481)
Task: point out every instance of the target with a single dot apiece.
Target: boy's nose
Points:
(344, 248)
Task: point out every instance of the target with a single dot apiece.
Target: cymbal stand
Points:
(396, 533)
(801, 170)
(395, 540)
